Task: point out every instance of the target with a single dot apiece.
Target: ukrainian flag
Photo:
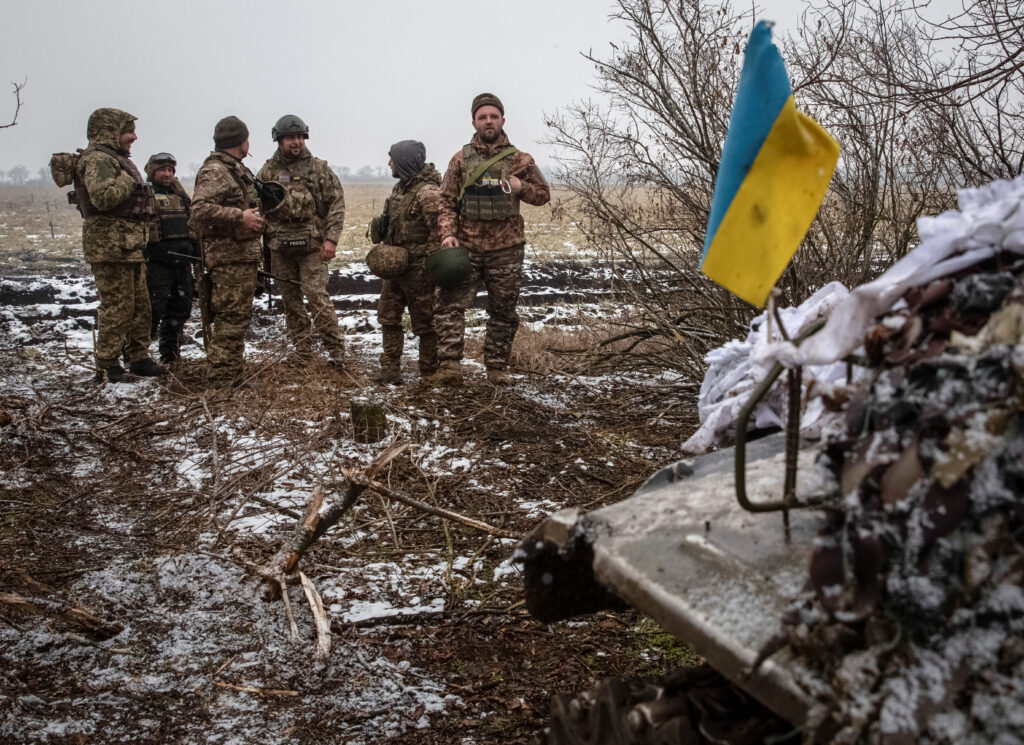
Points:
(776, 166)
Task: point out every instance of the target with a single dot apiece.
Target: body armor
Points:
(486, 199)
(138, 206)
(293, 228)
(402, 228)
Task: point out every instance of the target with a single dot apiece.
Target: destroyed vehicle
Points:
(867, 587)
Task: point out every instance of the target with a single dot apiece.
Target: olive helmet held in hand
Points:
(387, 261)
(289, 124)
(449, 266)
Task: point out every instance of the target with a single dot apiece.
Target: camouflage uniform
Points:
(314, 212)
(111, 196)
(169, 278)
(224, 189)
(496, 249)
(411, 216)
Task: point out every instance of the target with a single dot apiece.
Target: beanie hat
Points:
(230, 132)
(487, 99)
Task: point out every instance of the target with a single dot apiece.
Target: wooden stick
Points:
(260, 691)
(288, 609)
(439, 511)
(323, 625)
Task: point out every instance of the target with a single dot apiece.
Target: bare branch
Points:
(17, 100)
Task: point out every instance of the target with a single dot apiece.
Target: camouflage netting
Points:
(916, 619)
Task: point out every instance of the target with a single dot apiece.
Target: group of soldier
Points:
(141, 240)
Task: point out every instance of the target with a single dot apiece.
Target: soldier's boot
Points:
(145, 368)
(302, 355)
(428, 357)
(497, 376)
(336, 358)
(449, 372)
(117, 374)
(393, 339)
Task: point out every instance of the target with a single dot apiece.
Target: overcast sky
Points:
(362, 74)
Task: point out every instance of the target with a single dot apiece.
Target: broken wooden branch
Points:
(58, 609)
(314, 525)
(323, 625)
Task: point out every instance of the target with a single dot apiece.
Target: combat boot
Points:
(145, 368)
(449, 372)
(428, 355)
(497, 377)
(336, 359)
(117, 374)
(390, 370)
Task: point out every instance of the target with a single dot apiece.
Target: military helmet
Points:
(449, 266)
(289, 124)
(162, 159)
(387, 261)
(158, 161)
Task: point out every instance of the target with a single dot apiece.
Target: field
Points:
(149, 508)
(40, 233)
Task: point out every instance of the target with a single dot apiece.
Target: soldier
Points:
(226, 218)
(117, 207)
(409, 221)
(303, 238)
(170, 253)
(480, 197)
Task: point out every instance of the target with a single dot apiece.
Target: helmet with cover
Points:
(387, 261)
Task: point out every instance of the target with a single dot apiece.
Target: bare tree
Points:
(17, 101)
(641, 166)
(18, 175)
(641, 162)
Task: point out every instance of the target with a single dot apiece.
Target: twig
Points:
(288, 609)
(17, 99)
(439, 511)
(258, 691)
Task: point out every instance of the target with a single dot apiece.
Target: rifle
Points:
(259, 272)
(270, 194)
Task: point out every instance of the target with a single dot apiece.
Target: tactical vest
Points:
(485, 199)
(304, 202)
(138, 206)
(172, 216)
(292, 233)
(403, 227)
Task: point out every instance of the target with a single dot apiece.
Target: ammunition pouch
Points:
(481, 202)
(378, 228)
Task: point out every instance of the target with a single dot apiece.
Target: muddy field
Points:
(135, 516)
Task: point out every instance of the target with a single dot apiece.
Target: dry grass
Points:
(27, 246)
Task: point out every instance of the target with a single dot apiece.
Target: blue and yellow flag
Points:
(776, 166)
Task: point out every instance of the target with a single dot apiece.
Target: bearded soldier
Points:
(409, 221)
(303, 237)
(480, 197)
(170, 254)
(226, 218)
(117, 207)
